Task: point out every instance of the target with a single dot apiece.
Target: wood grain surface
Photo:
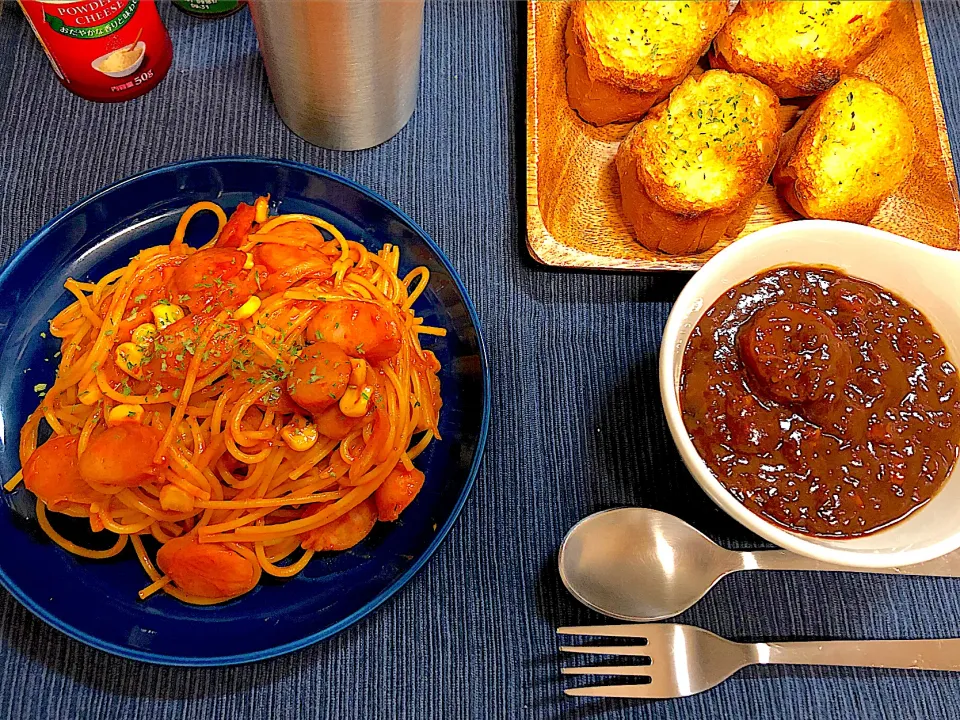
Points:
(574, 218)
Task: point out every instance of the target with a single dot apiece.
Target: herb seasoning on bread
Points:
(853, 147)
(690, 171)
(624, 57)
(800, 47)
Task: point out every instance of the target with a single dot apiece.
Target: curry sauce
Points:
(821, 402)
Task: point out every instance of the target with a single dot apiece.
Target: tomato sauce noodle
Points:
(232, 410)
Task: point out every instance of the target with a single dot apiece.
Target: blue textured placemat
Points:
(577, 425)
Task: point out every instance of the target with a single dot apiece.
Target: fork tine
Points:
(640, 650)
(633, 670)
(649, 692)
(628, 631)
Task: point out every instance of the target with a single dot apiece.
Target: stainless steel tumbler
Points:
(344, 73)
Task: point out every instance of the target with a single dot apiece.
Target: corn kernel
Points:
(248, 263)
(90, 395)
(355, 400)
(358, 372)
(130, 359)
(173, 499)
(166, 314)
(124, 414)
(299, 437)
(261, 209)
(247, 309)
(144, 335)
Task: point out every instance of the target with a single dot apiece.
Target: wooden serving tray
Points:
(574, 218)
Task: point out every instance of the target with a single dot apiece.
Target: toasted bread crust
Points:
(600, 102)
(850, 150)
(624, 57)
(800, 48)
(692, 170)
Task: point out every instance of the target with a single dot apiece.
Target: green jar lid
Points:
(208, 8)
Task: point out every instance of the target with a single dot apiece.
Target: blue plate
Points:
(96, 601)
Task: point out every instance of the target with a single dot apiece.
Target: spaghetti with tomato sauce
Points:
(244, 405)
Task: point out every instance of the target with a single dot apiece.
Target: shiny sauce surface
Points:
(821, 402)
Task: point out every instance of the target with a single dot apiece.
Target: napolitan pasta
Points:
(244, 405)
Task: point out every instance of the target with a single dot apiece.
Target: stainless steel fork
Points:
(685, 660)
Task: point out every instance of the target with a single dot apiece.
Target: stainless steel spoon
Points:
(643, 565)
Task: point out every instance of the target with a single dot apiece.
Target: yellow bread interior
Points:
(860, 145)
(806, 28)
(636, 40)
(705, 146)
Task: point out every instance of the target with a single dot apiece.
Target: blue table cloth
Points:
(577, 425)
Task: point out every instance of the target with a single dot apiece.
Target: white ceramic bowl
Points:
(926, 277)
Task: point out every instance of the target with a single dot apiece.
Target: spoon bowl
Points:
(643, 565)
(640, 564)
